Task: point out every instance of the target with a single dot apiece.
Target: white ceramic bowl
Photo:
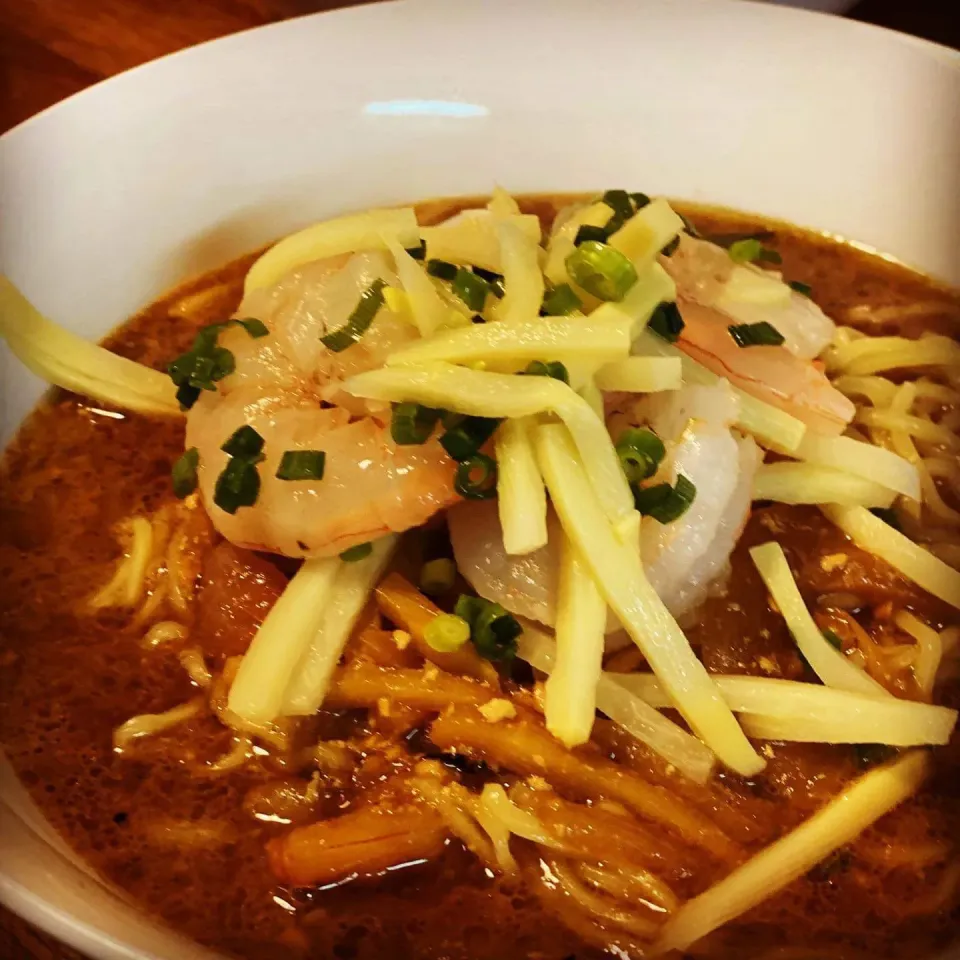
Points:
(113, 196)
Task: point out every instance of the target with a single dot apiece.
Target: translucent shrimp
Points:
(685, 559)
(772, 374)
(705, 274)
(287, 386)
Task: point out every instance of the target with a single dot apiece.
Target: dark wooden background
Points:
(50, 49)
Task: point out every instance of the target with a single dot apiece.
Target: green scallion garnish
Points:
(371, 300)
(760, 334)
(411, 423)
(889, 516)
(446, 633)
(800, 287)
(727, 240)
(470, 288)
(872, 754)
(442, 270)
(601, 270)
(418, 253)
(476, 478)
(256, 328)
(619, 202)
(560, 301)
(301, 465)
(244, 442)
(493, 631)
(360, 552)
(640, 451)
(589, 232)
(671, 248)
(438, 576)
(237, 486)
(640, 200)
(750, 250)
(184, 473)
(666, 321)
(688, 226)
(552, 368)
(464, 438)
(663, 502)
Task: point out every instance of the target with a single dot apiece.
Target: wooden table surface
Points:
(50, 49)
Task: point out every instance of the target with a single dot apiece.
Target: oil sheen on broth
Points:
(187, 846)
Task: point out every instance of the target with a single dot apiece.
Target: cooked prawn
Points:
(286, 385)
(684, 559)
(772, 374)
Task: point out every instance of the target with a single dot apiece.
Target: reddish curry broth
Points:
(69, 678)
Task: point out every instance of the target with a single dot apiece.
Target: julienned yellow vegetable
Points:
(570, 697)
(691, 757)
(810, 483)
(829, 664)
(647, 232)
(61, 357)
(429, 311)
(359, 231)
(521, 497)
(838, 823)
(641, 375)
(617, 572)
(870, 533)
(354, 582)
(653, 286)
(561, 245)
(471, 239)
(772, 709)
(268, 666)
(767, 423)
(479, 393)
(861, 459)
(553, 338)
(522, 279)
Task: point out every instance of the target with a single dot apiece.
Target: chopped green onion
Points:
(360, 552)
(889, 516)
(494, 281)
(418, 253)
(688, 226)
(412, 423)
(750, 249)
(640, 452)
(560, 301)
(663, 502)
(601, 270)
(301, 465)
(671, 248)
(442, 270)
(589, 232)
(256, 328)
(760, 334)
(666, 321)
(371, 300)
(184, 473)
(450, 419)
(640, 200)
(438, 576)
(728, 239)
(832, 639)
(464, 439)
(237, 486)
(205, 362)
(446, 632)
(493, 631)
(244, 442)
(619, 202)
(553, 368)
(800, 287)
(470, 288)
(476, 478)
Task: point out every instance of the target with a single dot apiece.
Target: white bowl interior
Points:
(115, 195)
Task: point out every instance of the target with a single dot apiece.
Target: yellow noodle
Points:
(637, 885)
(930, 650)
(894, 313)
(600, 908)
(193, 662)
(453, 803)
(878, 390)
(238, 754)
(878, 354)
(918, 427)
(149, 724)
(163, 632)
(127, 583)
